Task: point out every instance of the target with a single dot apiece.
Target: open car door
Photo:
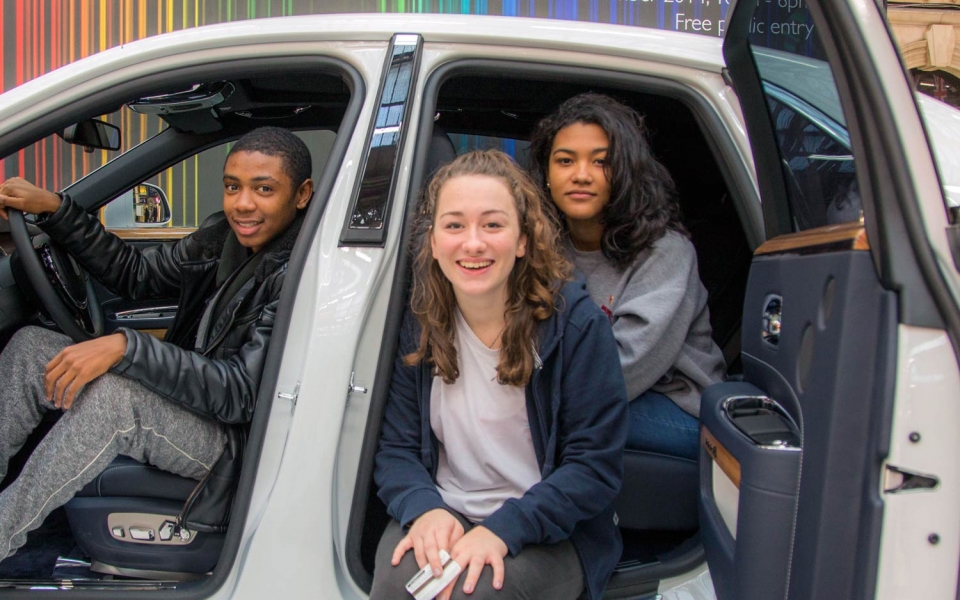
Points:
(829, 470)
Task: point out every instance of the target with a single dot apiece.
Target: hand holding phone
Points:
(424, 586)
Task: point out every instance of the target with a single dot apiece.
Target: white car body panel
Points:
(303, 505)
(287, 509)
(910, 565)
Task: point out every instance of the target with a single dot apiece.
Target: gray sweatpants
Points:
(112, 415)
(537, 571)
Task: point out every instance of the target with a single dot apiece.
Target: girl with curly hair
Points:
(503, 433)
(622, 230)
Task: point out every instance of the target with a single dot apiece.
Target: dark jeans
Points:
(659, 425)
(539, 571)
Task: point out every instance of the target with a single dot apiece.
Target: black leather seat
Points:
(440, 152)
(131, 499)
(659, 493)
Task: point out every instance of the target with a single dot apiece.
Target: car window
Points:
(518, 149)
(818, 164)
(822, 181)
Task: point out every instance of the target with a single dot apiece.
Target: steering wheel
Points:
(64, 288)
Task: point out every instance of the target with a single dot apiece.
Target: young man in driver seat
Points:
(174, 403)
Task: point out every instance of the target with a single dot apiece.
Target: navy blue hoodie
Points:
(577, 410)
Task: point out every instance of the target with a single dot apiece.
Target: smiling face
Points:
(576, 177)
(259, 198)
(476, 237)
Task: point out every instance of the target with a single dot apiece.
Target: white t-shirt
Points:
(486, 449)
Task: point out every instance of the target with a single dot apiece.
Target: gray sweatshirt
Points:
(658, 307)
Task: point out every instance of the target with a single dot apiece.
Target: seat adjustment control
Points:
(142, 533)
(166, 531)
(148, 528)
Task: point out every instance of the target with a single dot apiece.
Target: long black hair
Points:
(642, 206)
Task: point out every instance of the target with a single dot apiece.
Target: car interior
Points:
(470, 104)
(498, 105)
(122, 526)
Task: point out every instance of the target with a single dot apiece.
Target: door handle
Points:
(771, 319)
(897, 480)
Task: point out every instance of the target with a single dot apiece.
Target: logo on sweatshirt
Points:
(607, 310)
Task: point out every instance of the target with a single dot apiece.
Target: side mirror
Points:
(150, 206)
(92, 134)
(146, 205)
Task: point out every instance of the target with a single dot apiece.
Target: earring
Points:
(548, 185)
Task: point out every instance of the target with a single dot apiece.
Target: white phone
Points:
(424, 586)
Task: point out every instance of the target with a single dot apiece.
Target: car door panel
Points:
(843, 290)
(153, 317)
(150, 315)
(744, 478)
(837, 349)
(837, 340)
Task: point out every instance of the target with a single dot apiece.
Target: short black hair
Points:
(276, 141)
(642, 205)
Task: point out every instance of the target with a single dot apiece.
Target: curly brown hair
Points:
(532, 288)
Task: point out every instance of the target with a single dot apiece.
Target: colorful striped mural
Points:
(41, 35)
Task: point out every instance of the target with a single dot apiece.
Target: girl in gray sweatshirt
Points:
(623, 233)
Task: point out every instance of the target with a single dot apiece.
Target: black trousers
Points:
(538, 572)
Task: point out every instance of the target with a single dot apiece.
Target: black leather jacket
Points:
(220, 379)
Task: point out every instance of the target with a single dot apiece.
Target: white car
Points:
(824, 235)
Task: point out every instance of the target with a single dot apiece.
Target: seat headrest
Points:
(441, 151)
